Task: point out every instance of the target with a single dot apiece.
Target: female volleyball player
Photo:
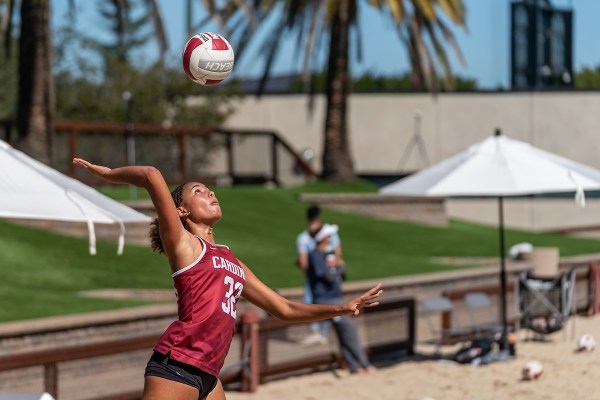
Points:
(208, 280)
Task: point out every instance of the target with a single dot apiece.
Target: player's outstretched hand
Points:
(367, 299)
(98, 170)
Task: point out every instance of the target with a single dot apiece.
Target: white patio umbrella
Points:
(500, 167)
(32, 190)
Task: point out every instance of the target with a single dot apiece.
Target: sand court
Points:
(568, 374)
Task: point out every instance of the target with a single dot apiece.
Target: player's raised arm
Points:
(151, 179)
(266, 298)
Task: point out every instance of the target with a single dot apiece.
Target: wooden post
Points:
(229, 146)
(594, 288)
(51, 379)
(72, 150)
(446, 324)
(274, 160)
(182, 158)
(412, 325)
(251, 369)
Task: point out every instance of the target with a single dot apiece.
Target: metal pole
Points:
(504, 339)
(130, 136)
(188, 19)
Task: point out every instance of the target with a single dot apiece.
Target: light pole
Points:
(130, 136)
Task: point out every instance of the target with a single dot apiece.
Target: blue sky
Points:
(485, 43)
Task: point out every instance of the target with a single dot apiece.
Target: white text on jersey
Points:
(220, 262)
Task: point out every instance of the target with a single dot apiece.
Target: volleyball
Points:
(586, 343)
(532, 370)
(207, 58)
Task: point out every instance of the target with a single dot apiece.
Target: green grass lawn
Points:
(42, 271)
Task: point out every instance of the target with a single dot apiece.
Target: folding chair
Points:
(476, 304)
(437, 306)
(545, 304)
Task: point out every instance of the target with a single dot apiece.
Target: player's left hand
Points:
(365, 300)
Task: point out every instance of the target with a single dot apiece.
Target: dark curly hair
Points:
(155, 242)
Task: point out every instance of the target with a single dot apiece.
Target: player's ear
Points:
(182, 212)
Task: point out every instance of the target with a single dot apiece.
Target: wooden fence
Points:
(254, 337)
(50, 359)
(400, 334)
(267, 348)
(74, 129)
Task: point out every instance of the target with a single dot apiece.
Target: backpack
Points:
(473, 350)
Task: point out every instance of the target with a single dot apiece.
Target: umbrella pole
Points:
(504, 338)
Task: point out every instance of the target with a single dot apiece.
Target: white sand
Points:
(567, 375)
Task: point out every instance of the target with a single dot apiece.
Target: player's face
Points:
(201, 202)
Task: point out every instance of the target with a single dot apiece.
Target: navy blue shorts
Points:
(164, 367)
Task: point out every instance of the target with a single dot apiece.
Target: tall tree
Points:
(328, 23)
(35, 103)
(126, 26)
(8, 85)
(337, 162)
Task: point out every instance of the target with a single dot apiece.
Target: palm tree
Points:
(418, 23)
(35, 104)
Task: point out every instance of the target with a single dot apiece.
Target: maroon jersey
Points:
(207, 291)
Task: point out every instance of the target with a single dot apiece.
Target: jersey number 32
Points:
(232, 293)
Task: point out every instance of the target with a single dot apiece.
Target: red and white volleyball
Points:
(532, 370)
(207, 58)
(586, 343)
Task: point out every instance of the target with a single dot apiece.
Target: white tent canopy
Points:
(32, 190)
(498, 166)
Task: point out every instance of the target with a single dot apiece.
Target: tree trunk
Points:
(35, 106)
(337, 162)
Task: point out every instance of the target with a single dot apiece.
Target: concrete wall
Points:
(382, 125)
